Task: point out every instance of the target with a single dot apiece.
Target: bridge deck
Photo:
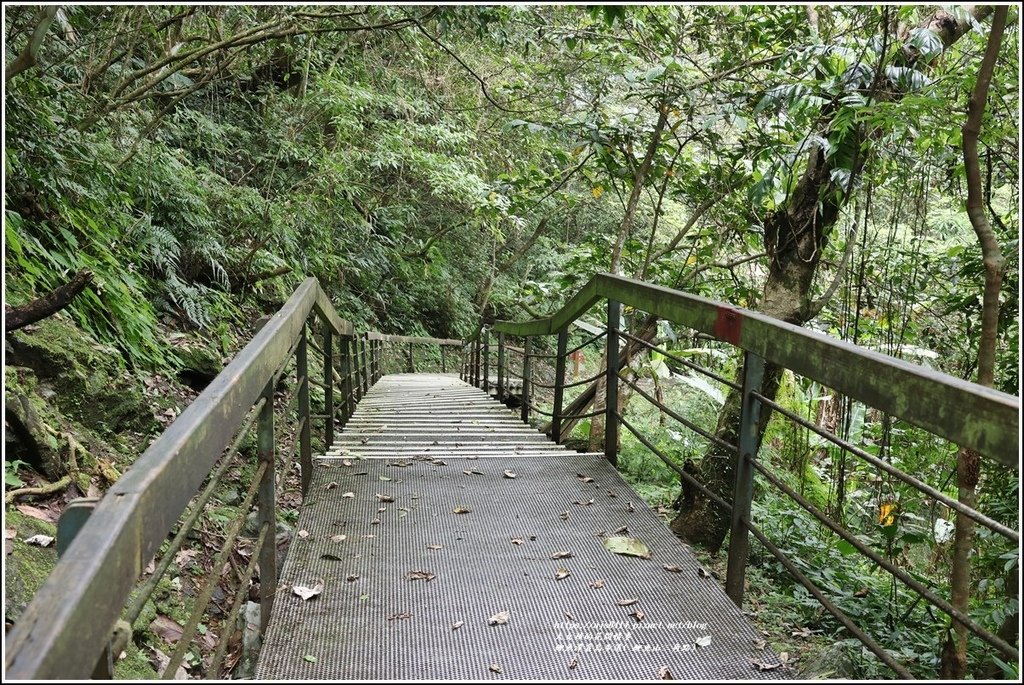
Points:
(401, 569)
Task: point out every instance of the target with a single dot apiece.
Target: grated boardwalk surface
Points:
(434, 444)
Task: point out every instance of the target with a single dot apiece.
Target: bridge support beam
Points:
(750, 414)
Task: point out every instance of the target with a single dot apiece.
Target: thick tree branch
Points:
(27, 58)
(46, 305)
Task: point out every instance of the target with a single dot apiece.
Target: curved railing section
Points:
(967, 414)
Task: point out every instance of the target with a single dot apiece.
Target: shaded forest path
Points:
(401, 567)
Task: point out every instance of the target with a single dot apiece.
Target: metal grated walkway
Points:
(409, 585)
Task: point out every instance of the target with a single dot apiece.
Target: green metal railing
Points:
(86, 611)
(967, 414)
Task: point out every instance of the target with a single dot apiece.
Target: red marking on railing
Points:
(727, 325)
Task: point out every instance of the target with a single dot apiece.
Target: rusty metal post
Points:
(328, 386)
(524, 411)
(611, 395)
(487, 360)
(750, 414)
(556, 411)
(305, 445)
(267, 515)
(501, 367)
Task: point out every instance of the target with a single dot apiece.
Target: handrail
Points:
(416, 340)
(67, 625)
(990, 426)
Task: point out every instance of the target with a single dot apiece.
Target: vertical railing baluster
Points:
(476, 359)
(611, 396)
(328, 386)
(524, 412)
(344, 369)
(750, 415)
(556, 411)
(267, 507)
(305, 445)
(501, 367)
(356, 373)
(487, 359)
(444, 364)
(410, 366)
(363, 365)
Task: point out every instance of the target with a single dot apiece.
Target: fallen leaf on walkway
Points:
(703, 573)
(310, 658)
(351, 578)
(630, 508)
(166, 628)
(308, 593)
(665, 674)
(561, 555)
(433, 546)
(348, 495)
(330, 557)
(494, 668)
(564, 515)
(375, 522)
(761, 666)
(438, 462)
(508, 473)
(384, 478)
(331, 485)
(399, 616)
(40, 540)
(571, 617)
(760, 644)
(671, 568)
(458, 624)
(420, 575)
(562, 573)
(585, 479)
(462, 510)
(381, 510)
(499, 619)
(783, 657)
(346, 462)
(638, 615)
(597, 584)
(338, 538)
(574, 662)
(703, 641)
(385, 498)
(517, 541)
(627, 546)
(303, 534)
(582, 503)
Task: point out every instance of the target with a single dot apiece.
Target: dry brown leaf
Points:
(462, 510)
(308, 593)
(438, 462)
(760, 645)
(420, 575)
(166, 628)
(499, 619)
(627, 602)
(508, 474)
(665, 674)
(330, 486)
(630, 508)
(574, 662)
(385, 498)
(621, 529)
(762, 666)
(562, 573)
(561, 555)
(494, 668)
(458, 624)
(338, 538)
(37, 513)
(703, 573)
(637, 614)
(433, 546)
(672, 568)
(517, 541)
(597, 584)
(303, 534)
(348, 495)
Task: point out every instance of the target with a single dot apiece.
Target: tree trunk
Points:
(968, 468)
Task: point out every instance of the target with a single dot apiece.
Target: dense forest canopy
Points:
(433, 166)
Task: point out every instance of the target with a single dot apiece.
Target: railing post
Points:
(411, 365)
(556, 418)
(444, 365)
(750, 414)
(328, 386)
(487, 357)
(611, 396)
(501, 367)
(356, 373)
(267, 506)
(476, 360)
(305, 447)
(344, 369)
(524, 411)
(364, 370)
